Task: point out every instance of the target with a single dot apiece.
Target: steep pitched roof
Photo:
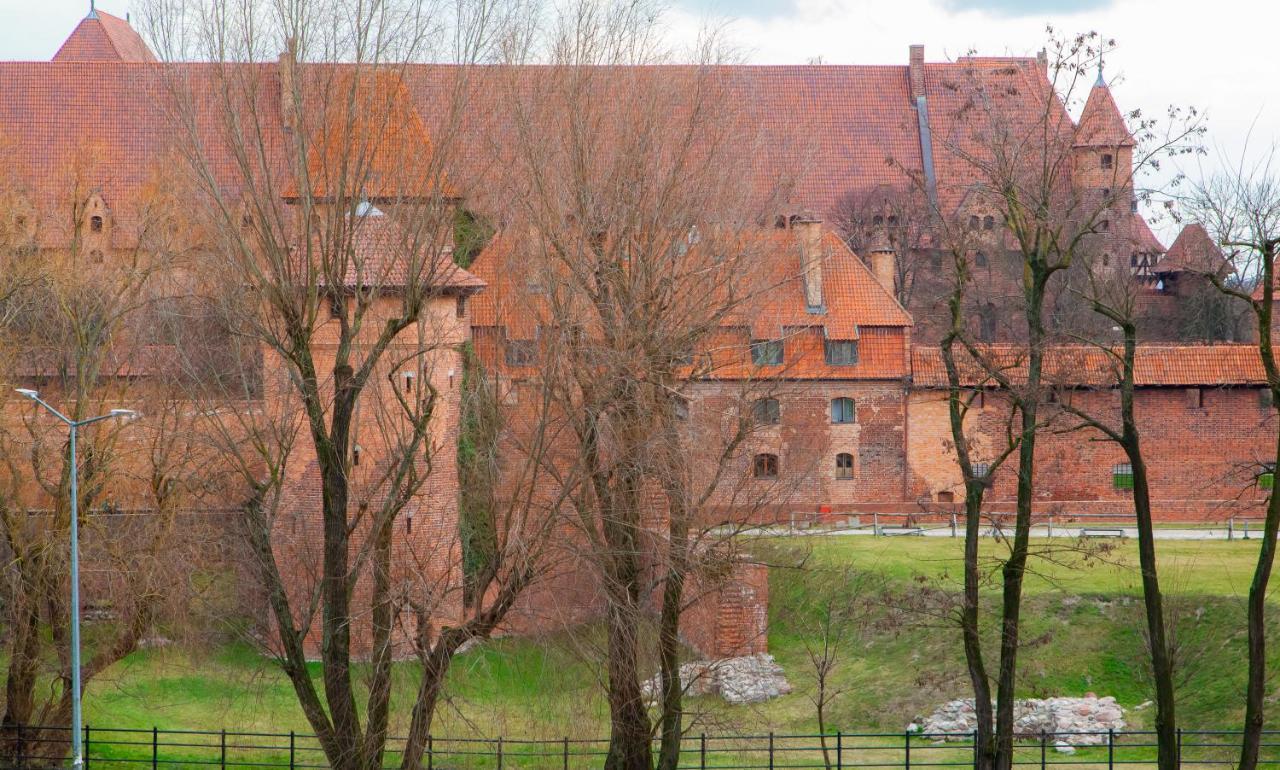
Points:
(1101, 124)
(1142, 239)
(103, 37)
(1155, 365)
(1193, 251)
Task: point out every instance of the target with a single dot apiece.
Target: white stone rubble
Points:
(1054, 717)
(749, 679)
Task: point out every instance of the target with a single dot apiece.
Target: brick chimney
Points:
(287, 67)
(808, 232)
(916, 71)
(884, 266)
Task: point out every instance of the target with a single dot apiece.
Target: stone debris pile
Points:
(1033, 717)
(749, 679)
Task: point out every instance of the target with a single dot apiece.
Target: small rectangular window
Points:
(1108, 160)
(1122, 476)
(1195, 398)
(1267, 479)
(766, 352)
(841, 352)
(981, 470)
(460, 309)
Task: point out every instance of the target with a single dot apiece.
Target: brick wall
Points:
(729, 616)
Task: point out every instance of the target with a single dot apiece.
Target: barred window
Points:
(981, 470)
(1122, 476)
(765, 466)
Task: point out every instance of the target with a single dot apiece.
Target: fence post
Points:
(1050, 526)
(499, 752)
(770, 750)
(702, 751)
(223, 745)
(975, 747)
(1231, 528)
(155, 747)
(86, 744)
(953, 525)
(875, 523)
(1111, 748)
(430, 753)
(1180, 745)
(906, 741)
(566, 752)
(21, 748)
(839, 750)
(1043, 744)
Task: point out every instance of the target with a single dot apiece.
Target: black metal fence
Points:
(23, 748)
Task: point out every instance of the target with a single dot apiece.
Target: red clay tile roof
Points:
(1156, 365)
(1143, 240)
(378, 260)
(1101, 124)
(1193, 251)
(103, 37)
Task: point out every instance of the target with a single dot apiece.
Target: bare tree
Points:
(1056, 186)
(329, 217)
(74, 323)
(1241, 209)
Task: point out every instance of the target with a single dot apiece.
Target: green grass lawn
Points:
(901, 656)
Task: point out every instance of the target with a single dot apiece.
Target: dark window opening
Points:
(96, 256)
(765, 466)
(460, 307)
(988, 223)
(844, 466)
(980, 259)
(766, 411)
(766, 352)
(973, 222)
(893, 220)
(946, 497)
(1105, 225)
(841, 352)
(1133, 259)
(95, 223)
(520, 352)
(1108, 160)
(877, 220)
(355, 455)
(843, 411)
(1106, 260)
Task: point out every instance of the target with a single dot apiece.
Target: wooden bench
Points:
(1102, 532)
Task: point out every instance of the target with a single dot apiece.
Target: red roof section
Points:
(1155, 365)
(103, 37)
(1193, 251)
(379, 258)
(1101, 124)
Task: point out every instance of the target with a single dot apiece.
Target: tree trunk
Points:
(1255, 695)
(669, 642)
(985, 755)
(628, 718)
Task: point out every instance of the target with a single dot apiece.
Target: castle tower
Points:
(1102, 144)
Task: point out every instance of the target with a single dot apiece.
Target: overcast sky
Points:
(1218, 56)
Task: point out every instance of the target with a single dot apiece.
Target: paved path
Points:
(1040, 530)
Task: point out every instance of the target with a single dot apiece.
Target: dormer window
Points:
(893, 220)
(95, 223)
(974, 222)
(841, 352)
(877, 220)
(766, 352)
(1108, 160)
(988, 222)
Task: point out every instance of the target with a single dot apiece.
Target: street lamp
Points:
(77, 748)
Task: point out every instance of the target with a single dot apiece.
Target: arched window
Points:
(843, 411)
(767, 411)
(844, 466)
(765, 466)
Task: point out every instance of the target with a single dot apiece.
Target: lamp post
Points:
(77, 747)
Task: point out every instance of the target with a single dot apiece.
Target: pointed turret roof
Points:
(103, 37)
(1101, 124)
(1193, 251)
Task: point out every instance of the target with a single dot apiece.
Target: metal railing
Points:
(24, 747)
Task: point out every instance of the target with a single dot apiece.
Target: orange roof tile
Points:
(103, 37)
(1155, 365)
